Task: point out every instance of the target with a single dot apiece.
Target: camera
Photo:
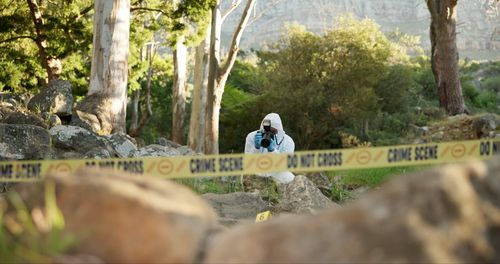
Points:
(267, 134)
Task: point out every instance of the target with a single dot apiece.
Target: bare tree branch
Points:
(263, 11)
(233, 52)
(85, 11)
(147, 9)
(233, 6)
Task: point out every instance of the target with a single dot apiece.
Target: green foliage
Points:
(161, 100)
(492, 84)
(236, 106)
(66, 29)
(397, 89)
(246, 77)
(481, 86)
(332, 79)
(24, 240)
(213, 185)
(345, 182)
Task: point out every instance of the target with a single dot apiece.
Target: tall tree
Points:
(51, 65)
(199, 95)
(189, 19)
(180, 53)
(37, 36)
(107, 95)
(444, 57)
(218, 73)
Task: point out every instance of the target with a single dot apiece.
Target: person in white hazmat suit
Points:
(271, 137)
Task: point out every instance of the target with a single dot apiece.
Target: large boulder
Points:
(122, 218)
(24, 142)
(446, 215)
(56, 98)
(155, 150)
(20, 116)
(14, 99)
(301, 196)
(93, 113)
(123, 145)
(75, 139)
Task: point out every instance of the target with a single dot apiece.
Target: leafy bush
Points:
(492, 84)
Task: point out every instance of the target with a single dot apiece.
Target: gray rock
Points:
(52, 119)
(20, 116)
(167, 143)
(98, 153)
(56, 98)
(15, 100)
(483, 125)
(321, 180)
(301, 196)
(121, 218)
(122, 144)
(154, 150)
(445, 215)
(186, 151)
(237, 207)
(93, 113)
(24, 142)
(85, 120)
(76, 139)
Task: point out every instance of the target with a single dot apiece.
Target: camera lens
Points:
(265, 142)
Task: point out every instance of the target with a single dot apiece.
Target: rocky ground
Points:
(450, 214)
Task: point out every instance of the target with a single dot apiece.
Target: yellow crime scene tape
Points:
(238, 164)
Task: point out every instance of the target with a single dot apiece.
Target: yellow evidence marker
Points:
(261, 217)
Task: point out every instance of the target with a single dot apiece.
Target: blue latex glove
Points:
(257, 139)
(272, 145)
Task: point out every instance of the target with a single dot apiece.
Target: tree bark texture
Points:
(213, 107)
(217, 75)
(109, 70)
(444, 57)
(179, 90)
(199, 101)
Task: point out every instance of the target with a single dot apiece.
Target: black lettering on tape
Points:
(28, 171)
(202, 165)
(495, 148)
(307, 160)
(107, 164)
(230, 164)
(426, 152)
(6, 171)
(485, 148)
(399, 154)
(329, 159)
(132, 166)
(291, 161)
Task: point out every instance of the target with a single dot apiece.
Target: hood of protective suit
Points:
(276, 123)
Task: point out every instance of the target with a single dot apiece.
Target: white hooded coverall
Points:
(284, 144)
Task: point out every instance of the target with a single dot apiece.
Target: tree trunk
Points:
(217, 76)
(179, 90)
(199, 101)
(444, 57)
(212, 110)
(137, 124)
(51, 65)
(134, 115)
(109, 70)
